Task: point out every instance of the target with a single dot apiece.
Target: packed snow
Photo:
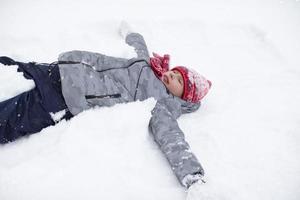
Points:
(246, 133)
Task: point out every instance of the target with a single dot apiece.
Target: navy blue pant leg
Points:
(22, 115)
(47, 80)
(28, 112)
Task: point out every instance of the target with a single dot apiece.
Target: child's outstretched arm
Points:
(137, 41)
(170, 138)
(103, 62)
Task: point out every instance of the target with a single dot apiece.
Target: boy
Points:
(81, 80)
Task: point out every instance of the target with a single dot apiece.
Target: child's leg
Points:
(7, 61)
(47, 80)
(28, 112)
(22, 115)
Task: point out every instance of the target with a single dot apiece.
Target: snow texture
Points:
(246, 133)
(58, 115)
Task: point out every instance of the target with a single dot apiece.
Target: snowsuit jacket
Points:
(92, 79)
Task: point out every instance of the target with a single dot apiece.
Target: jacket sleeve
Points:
(170, 138)
(137, 41)
(95, 60)
(103, 62)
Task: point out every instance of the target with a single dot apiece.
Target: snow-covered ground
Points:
(246, 134)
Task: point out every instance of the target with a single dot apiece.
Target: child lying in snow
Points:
(80, 80)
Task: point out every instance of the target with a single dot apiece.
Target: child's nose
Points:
(172, 76)
(176, 75)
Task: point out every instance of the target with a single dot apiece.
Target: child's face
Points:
(174, 82)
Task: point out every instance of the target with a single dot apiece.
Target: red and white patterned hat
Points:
(196, 86)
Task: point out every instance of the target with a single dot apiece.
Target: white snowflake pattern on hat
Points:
(201, 84)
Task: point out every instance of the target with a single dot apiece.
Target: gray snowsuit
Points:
(92, 79)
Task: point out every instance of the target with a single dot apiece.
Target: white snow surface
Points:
(246, 133)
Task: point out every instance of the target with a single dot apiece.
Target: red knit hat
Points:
(196, 86)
